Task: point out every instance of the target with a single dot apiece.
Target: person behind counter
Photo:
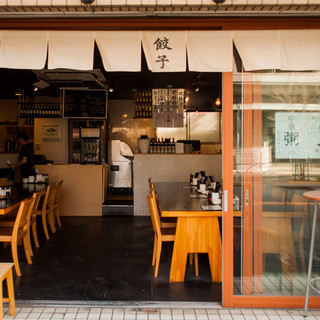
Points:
(26, 157)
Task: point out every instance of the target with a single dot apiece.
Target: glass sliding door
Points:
(276, 158)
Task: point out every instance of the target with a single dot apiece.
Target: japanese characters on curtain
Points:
(167, 108)
(165, 51)
(297, 135)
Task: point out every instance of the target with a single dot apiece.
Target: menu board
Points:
(84, 103)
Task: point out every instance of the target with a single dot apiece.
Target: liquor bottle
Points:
(158, 146)
(173, 146)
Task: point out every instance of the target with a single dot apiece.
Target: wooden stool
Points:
(6, 273)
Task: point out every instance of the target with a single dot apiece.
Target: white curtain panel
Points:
(71, 50)
(210, 51)
(23, 49)
(165, 51)
(300, 49)
(259, 50)
(120, 51)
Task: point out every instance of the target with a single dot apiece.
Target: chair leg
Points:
(35, 235)
(51, 221)
(159, 246)
(45, 228)
(196, 265)
(58, 216)
(191, 259)
(14, 250)
(29, 244)
(27, 249)
(10, 292)
(154, 250)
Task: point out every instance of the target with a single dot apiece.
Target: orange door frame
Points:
(229, 300)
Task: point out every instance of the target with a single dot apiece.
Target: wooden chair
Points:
(46, 210)
(167, 222)
(56, 203)
(160, 234)
(19, 232)
(33, 218)
(9, 220)
(6, 274)
(163, 234)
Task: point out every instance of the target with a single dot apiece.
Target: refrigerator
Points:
(87, 141)
(90, 145)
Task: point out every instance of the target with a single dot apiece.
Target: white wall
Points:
(56, 150)
(169, 168)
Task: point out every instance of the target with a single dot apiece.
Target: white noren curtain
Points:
(120, 51)
(210, 51)
(71, 50)
(23, 49)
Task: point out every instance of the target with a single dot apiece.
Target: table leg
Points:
(196, 235)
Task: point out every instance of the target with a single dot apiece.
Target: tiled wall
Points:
(170, 168)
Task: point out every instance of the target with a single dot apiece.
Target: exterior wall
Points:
(170, 168)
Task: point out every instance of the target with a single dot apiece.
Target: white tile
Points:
(225, 316)
(35, 314)
(212, 311)
(214, 317)
(107, 310)
(274, 317)
(95, 310)
(238, 317)
(47, 310)
(235, 311)
(258, 311)
(81, 315)
(59, 310)
(246, 311)
(131, 316)
(250, 317)
(177, 317)
(224, 312)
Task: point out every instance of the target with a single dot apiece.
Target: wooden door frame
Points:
(229, 300)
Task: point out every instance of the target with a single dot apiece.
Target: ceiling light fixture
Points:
(110, 89)
(218, 102)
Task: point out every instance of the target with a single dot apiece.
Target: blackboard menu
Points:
(84, 103)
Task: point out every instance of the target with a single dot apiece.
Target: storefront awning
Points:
(165, 51)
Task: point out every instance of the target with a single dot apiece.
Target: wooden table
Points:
(19, 192)
(197, 230)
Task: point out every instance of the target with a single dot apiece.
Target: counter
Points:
(83, 190)
(163, 167)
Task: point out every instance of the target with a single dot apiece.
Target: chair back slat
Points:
(154, 214)
(23, 216)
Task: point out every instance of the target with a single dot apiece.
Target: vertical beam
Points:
(227, 175)
(247, 185)
(257, 193)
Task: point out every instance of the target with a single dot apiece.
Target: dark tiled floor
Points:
(105, 259)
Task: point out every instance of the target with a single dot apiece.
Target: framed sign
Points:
(51, 132)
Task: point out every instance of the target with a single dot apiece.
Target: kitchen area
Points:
(91, 134)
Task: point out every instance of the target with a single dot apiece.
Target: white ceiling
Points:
(160, 7)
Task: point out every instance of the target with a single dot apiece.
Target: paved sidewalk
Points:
(163, 311)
